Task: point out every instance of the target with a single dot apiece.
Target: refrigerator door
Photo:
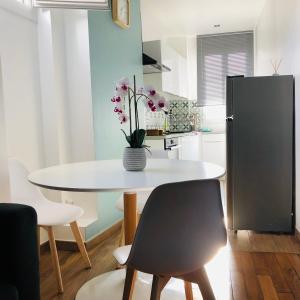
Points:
(261, 153)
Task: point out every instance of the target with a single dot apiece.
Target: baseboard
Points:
(297, 234)
(72, 246)
(104, 235)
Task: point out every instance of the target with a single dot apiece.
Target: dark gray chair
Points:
(178, 242)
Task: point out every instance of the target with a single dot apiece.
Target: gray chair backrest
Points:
(181, 228)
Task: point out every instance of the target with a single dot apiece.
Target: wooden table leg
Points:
(130, 222)
(130, 217)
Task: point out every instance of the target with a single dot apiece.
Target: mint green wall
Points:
(114, 53)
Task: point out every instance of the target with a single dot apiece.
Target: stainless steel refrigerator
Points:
(260, 153)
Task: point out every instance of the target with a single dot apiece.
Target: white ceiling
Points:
(163, 18)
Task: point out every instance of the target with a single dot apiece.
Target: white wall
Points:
(21, 88)
(66, 99)
(45, 94)
(79, 84)
(278, 37)
(4, 177)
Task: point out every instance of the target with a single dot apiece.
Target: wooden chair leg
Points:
(188, 290)
(158, 285)
(129, 284)
(202, 280)
(138, 218)
(80, 243)
(55, 259)
(122, 237)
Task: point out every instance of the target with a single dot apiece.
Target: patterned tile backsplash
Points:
(181, 116)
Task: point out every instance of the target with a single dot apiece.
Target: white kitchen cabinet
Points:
(214, 148)
(174, 55)
(190, 147)
(180, 55)
(157, 143)
(192, 85)
(206, 147)
(170, 80)
(183, 78)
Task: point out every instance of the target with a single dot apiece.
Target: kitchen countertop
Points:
(182, 134)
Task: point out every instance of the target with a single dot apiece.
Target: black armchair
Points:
(19, 261)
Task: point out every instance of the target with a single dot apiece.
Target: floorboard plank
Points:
(246, 264)
(260, 264)
(276, 273)
(289, 273)
(267, 287)
(238, 285)
(239, 241)
(261, 242)
(286, 296)
(286, 243)
(295, 262)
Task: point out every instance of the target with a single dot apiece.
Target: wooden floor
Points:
(251, 241)
(261, 266)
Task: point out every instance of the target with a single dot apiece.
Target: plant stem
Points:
(129, 98)
(135, 104)
(143, 95)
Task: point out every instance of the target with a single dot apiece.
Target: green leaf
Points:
(147, 148)
(140, 136)
(128, 138)
(136, 139)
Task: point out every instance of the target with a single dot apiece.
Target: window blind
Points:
(220, 56)
(83, 4)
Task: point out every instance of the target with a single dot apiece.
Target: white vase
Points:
(134, 159)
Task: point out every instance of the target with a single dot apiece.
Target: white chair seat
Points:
(142, 198)
(49, 213)
(121, 254)
(55, 214)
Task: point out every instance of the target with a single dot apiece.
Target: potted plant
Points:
(126, 100)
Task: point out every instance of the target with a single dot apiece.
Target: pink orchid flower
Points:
(150, 91)
(153, 108)
(118, 110)
(123, 118)
(150, 103)
(122, 87)
(162, 103)
(116, 99)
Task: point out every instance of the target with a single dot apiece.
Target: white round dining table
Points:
(110, 176)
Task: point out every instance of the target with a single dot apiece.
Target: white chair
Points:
(49, 213)
(142, 197)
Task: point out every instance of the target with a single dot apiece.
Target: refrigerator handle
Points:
(230, 118)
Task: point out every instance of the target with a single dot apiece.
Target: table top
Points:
(109, 175)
